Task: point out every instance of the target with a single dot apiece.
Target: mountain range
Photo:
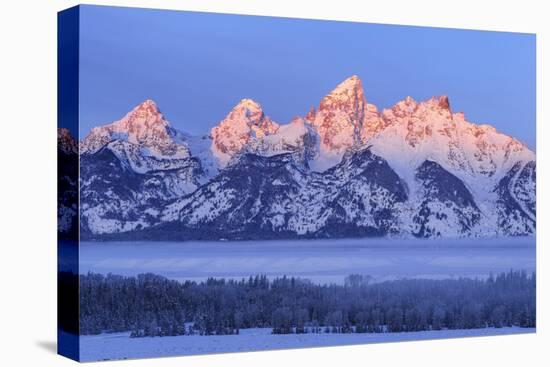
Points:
(344, 169)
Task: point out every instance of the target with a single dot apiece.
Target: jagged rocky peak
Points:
(249, 108)
(244, 122)
(409, 106)
(144, 126)
(251, 112)
(66, 142)
(439, 104)
(350, 91)
(347, 97)
(340, 116)
(143, 116)
(430, 130)
(421, 120)
(490, 152)
(310, 116)
(344, 120)
(402, 108)
(373, 123)
(443, 102)
(142, 121)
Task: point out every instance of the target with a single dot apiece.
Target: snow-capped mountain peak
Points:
(144, 116)
(348, 96)
(137, 162)
(340, 116)
(344, 119)
(250, 108)
(244, 122)
(140, 122)
(145, 127)
(250, 112)
(350, 88)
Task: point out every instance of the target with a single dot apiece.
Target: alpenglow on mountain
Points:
(345, 169)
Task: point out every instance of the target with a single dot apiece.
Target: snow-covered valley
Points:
(121, 346)
(324, 262)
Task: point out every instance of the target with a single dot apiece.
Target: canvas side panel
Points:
(67, 184)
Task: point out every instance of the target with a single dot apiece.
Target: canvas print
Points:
(235, 183)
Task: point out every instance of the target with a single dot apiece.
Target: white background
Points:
(28, 182)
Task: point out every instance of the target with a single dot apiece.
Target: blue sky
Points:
(197, 66)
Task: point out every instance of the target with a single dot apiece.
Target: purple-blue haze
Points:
(197, 66)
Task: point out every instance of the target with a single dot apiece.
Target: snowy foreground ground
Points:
(121, 346)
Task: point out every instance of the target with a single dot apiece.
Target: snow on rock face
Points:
(516, 203)
(246, 199)
(273, 197)
(446, 207)
(116, 198)
(477, 155)
(372, 124)
(344, 119)
(340, 116)
(345, 169)
(421, 121)
(417, 132)
(145, 127)
(524, 189)
(368, 199)
(245, 122)
(143, 139)
(489, 152)
(297, 137)
(428, 130)
(131, 168)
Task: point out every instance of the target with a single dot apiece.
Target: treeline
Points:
(152, 305)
